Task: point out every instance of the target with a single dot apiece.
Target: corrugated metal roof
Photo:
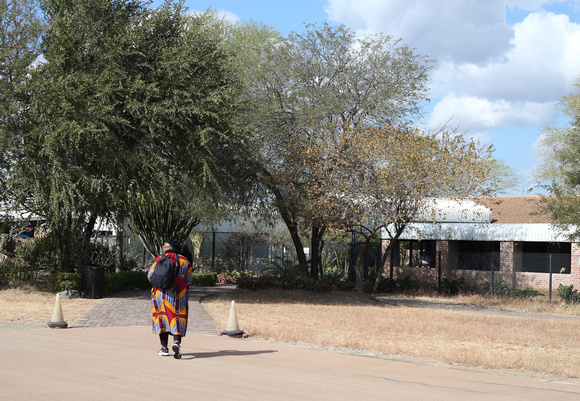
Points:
(540, 232)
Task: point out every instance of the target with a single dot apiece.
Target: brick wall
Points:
(510, 268)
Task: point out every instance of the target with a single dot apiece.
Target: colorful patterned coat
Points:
(170, 307)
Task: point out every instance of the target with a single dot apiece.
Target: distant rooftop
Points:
(515, 209)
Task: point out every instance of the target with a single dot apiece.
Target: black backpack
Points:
(163, 275)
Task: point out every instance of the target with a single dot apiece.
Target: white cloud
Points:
(463, 30)
(480, 114)
(499, 83)
(488, 73)
(226, 15)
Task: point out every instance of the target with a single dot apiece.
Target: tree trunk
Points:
(119, 246)
(302, 263)
(286, 214)
(381, 268)
(359, 265)
(84, 257)
(318, 231)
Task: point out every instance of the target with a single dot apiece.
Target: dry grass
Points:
(545, 347)
(29, 308)
(538, 304)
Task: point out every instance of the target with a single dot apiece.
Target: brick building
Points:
(504, 238)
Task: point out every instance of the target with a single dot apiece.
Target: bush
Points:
(127, 280)
(568, 294)
(39, 253)
(14, 271)
(254, 283)
(204, 279)
(453, 287)
(500, 288)
(66, 282)
(525, 293)
(400, 285)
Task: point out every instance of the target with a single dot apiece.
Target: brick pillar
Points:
(443, 248)
(575, 265)
(510, 261)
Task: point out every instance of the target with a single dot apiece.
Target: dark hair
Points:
(174, 243)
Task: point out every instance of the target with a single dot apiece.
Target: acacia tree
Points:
(20, 30)
(128, 98)
(379, 179)
(560, 150)
(307, 86)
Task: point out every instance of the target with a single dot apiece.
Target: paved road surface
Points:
(102, 358)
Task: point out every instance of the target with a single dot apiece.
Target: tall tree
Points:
(377, 180)
(310, 85)
(20, 30)
(560, 150)
(128, 98)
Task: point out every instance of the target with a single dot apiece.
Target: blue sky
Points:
(501, 67)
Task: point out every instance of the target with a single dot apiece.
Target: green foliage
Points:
(306, 283)
(400, 285)
(335, 273)
(39, 253)
(139, 98)
(560, 151)
(301, 91)
(232, 276)
(65, 282)
(254, 283)
(278, 269)
(158, 215)
(525, 293)
(453, 287)
(13, 271)
(204, 279)
(127, 280)
(569, 294)
(500, 288)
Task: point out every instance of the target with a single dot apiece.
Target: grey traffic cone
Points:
(57, 320)
(233, 329)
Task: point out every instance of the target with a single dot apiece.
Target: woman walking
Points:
(170, 306)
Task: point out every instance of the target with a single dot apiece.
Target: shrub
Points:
(39, 253)
(254, 283)
(401, 285)
(204, 279)
(500, 288)
(453, 287)
(322, 285)
(568, 294)
(525, 293)
(65, 282)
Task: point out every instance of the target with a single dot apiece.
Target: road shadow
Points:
(222, 353)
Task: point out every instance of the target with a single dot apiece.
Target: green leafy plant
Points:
(500, 288)
(452, 287)
(568, 294)
(65, 282)
(525, 293)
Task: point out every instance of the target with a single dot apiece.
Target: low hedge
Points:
(117, 282)
(204, 279)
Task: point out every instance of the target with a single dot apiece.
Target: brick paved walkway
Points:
(133, 308)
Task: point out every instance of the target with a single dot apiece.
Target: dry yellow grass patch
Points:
(546, 347)
(22, 308)
(539, 304)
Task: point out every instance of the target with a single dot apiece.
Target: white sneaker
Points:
(177, 350)
(163, 352)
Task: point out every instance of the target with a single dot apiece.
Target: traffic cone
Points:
(232, 328)
(57, 320)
